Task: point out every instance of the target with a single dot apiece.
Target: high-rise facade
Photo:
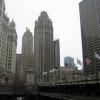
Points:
(18, 66)
(8, 44)
(69, 61)
(56, 54)
(43, 38)
(27, 67)
(90, 31)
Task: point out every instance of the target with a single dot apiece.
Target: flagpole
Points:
(77, 63)
(76, 68)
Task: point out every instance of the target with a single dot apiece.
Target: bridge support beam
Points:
(31, 97)
(48, 98)
(7, 98)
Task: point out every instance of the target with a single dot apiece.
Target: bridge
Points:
(87, 89)
(59, 91)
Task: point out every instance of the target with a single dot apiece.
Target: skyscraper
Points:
(27, 67)
(8, 44)
(69, 61)
(56, 54)
(90, 31)
(43, 38)
(18, 66)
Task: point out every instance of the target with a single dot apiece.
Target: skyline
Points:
(65, 18)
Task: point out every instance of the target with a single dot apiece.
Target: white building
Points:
(8, 44)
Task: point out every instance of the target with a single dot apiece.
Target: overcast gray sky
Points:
(65, 17)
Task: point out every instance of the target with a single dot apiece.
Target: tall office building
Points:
(90, 31)
(43, 38)
(69, 61)
(27, 67)
(8, 44)
(18, 66)
(56, 54)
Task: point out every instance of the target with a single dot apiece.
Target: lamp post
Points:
(36, 86)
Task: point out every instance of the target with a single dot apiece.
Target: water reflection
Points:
(19, 98)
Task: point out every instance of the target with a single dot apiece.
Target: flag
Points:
(97, 56)
(88, 61)
(79, 62)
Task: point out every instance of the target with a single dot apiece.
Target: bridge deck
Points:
(68, 97)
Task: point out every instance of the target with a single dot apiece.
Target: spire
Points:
(44, 14)
(12, 23)
(44, 19)
(27, 29)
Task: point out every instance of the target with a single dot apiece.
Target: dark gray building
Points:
(90, 31)
(18, 66)
(43, 38)
(56, 54)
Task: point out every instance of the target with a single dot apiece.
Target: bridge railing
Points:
(84, 81)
